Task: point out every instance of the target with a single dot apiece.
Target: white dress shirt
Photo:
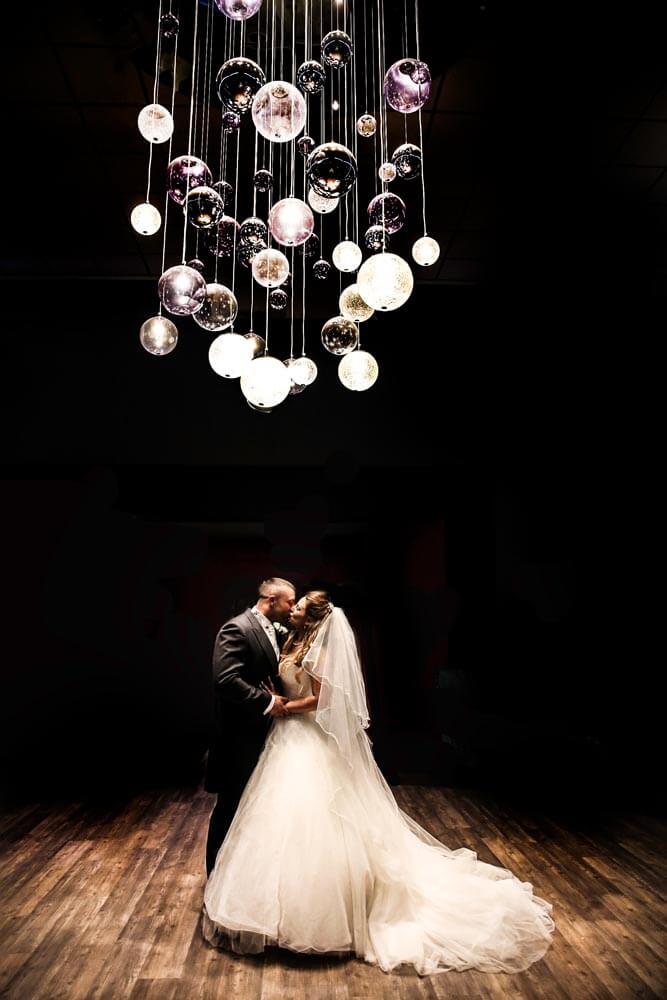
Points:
(271, 634)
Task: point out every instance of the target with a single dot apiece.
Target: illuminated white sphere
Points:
(387, 172)
(219, 309)
(426, 250)
(266, 382)
(145, 219)
(270, 268)
(155, 123)
(321, 204)
(303, 371)
(346, 256)
(385, 281)
(295, 387)
(279, 111)
(158, 335)
(230, 354)
(358, 371)
(352, 306)
(291, 222)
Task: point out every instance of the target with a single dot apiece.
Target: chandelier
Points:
(305, 89)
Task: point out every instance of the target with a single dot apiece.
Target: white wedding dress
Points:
(320, 858)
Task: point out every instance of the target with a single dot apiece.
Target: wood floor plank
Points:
(103, 902)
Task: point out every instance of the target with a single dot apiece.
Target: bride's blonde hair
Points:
(318, 609)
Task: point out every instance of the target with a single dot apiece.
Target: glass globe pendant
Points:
(291, 222)
(237, 82)
(331, 169)
(145, 219)
(270, 268)
(321, 204)
(265, 382)
(385, 281)
(253, 231)
(155, 123)
(336, 49)
(182, 290)
(203, 207)
(238, 10)
(310, 77)
(387, 172)
(303, 371)
(158, 335)
(339, 335)
(295, 387)
(185, 173)
(408, 161)
(358, 371)
(387, 210)
(230, 354)
(346, 256)
(352, 306)
(366, 126)
(407, 85)
(222, 238)
(376, 238)
(322, 269)
(219, 308)
(279, 111)
(425, 251)
(258, 343)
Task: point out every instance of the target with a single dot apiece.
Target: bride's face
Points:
(298, 614)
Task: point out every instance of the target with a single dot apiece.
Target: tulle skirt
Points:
(320, 858)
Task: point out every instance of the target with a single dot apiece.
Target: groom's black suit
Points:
(243, 657)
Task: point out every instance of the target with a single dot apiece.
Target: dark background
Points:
(483, 513)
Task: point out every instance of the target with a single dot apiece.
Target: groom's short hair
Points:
(266, 586)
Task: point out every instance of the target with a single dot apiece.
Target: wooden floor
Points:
(105, 903)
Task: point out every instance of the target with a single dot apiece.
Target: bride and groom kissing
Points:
(307, 847)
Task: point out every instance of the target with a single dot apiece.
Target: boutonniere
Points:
(280, 629)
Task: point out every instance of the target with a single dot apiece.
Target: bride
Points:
(320, 858)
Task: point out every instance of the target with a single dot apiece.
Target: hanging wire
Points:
(158, 57)
(171, 137)
(419, 113)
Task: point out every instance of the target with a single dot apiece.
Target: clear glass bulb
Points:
(155, 123)
(145, 219)
(426, 251)
(158, 335)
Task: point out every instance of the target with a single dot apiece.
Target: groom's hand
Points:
(279, 706)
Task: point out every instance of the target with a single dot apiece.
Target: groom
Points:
(246, 655)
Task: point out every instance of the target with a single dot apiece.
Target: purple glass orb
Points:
(231, 121)
(254, 230)
(238, 10)
(322, 269)
(331, 169)
(305, 145)
(387, 210)
(204, 207)
(182, 290)
(184, 173)
(310, 77)
(246, 252)
(225, 190)
(291, 222)
(336, 49)
(408, 161)
(339, 335)
(279, 111)
(222, 238)
(407, 85)
(169, 25)
(263, 180)
(376, 238)
(278, 299)
(311, 248)
(197, 264)
(237, 82)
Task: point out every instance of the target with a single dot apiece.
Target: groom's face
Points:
(283, 602)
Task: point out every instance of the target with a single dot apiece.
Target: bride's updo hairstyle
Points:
(318, 609)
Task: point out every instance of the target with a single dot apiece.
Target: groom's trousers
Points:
(220, 821)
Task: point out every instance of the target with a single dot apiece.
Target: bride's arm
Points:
(305, 704)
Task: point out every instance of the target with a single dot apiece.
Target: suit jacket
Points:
(242, 657)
